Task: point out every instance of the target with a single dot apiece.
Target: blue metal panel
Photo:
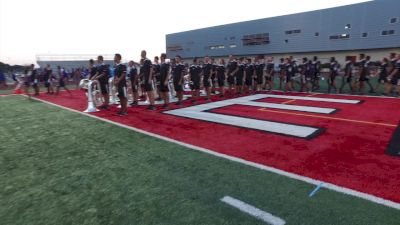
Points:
(370, 17)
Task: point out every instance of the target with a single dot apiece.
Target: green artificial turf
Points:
(59, 167)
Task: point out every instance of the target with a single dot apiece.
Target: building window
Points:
(232, 46)
(340, 36)
(347, 27)
(215, 47)
(288, 32)
(316, 34)
(394, 20)
(232, 38)
(387, 32)
(174, 48)
(364, 35)
(255, 39)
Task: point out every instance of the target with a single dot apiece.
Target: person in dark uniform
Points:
(120, 83)
(164, 79)
(302, 69)
(221, 77)
(26, 79)
(391, 68)
(147, 72)
(309, 76)
(290, 71)
(194, 76)
(347, 77)
(232, 70)
(213, 76)
(34, 79)
(92, 69)
(259, 70)
(383, 73)
(102, 75)
(61, 81)
(269, 74)
(249, 74)
(364, 66)
(316, 66)
(156, 76)
(178, 73)
(48, 79)
(395, 77)
(240, 76)
(334, 68)
(282, 72)
(207, 70)
(134, 78)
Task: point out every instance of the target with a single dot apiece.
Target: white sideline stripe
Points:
(249, 209)
(308, 180)
(333, 100)
(321, 93)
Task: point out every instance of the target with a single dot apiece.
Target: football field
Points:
(181, 166)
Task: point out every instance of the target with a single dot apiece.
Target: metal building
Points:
(371, 27)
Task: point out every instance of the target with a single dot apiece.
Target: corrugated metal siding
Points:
(370, 17)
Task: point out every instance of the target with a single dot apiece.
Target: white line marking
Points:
(249, 209)
(333, 100)
(309, 180)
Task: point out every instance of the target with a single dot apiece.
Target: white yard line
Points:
(309, 180)
(253, 211)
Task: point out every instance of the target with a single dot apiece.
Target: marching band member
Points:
(249, 73)
(164, 80)
(48, 79)
(147, 72)
(61, 81)
(156, 76)
(348, 75)
(232, 70)
(178, 73)
(207, 70)
(259, 71)
(333, 72)
(35, 80)
(102, 75)
(120, 83)
(133, 76)
(240, 76)
(194, 76)
(221, 77)
(269, 74)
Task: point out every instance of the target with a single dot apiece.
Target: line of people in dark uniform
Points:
(32, 78)
(238, 76)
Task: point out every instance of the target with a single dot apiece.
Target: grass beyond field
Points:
(59, 167)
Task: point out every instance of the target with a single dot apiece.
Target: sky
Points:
(32, 27)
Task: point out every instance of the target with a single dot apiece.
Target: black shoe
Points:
(134, 103)
(104, 107)
(165, 106)
(159, 99)
(178, 103)
(221, 96)
(151, 107)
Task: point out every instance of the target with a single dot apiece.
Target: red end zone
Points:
(350, 152)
